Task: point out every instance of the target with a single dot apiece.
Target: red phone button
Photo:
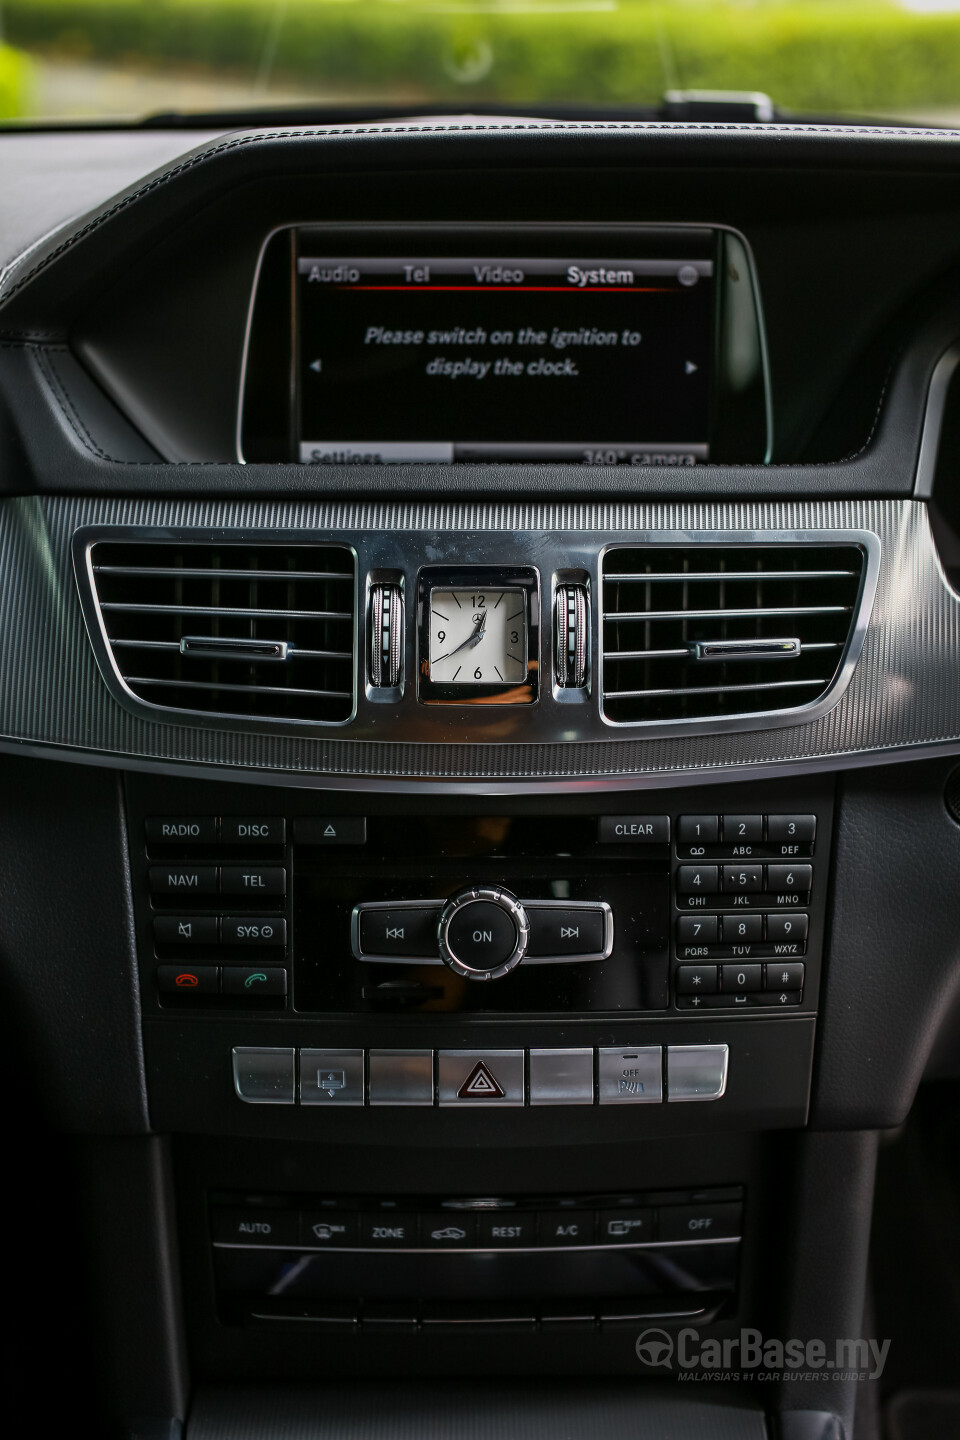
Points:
(188, 980)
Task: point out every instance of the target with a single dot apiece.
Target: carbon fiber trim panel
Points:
(525, 1411)
(903, 692)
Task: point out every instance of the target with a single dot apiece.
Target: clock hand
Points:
(473, 639)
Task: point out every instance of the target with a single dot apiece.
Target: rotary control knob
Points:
(483, 933)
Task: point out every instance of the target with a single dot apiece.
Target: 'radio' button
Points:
(181, 829)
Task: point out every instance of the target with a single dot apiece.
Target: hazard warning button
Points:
(480, 1077)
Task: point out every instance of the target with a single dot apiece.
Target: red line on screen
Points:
(526, 289)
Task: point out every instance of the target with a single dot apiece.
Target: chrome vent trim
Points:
(780, 621)
(261, 632)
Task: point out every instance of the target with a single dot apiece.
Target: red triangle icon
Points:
(480, 1085)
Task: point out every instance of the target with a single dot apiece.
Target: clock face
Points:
(478, 636)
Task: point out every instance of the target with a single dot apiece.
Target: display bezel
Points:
(741, 414)
(447, 692)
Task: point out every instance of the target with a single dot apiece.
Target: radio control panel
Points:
(296, 909)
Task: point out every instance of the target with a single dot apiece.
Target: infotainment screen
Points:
(596, 354)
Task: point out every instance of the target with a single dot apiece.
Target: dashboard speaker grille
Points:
(259, 632)
(706, 632)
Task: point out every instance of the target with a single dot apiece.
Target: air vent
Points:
(703, 632)
(257, 632)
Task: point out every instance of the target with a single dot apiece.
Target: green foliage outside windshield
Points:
(879, 59)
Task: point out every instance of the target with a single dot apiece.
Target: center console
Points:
(481, 988)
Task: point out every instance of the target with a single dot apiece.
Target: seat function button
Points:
(401, 1077)
(264, 1075)
(561, 1077)
(696, 1072)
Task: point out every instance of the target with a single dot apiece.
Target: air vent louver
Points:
(257, 632)
(701, 632)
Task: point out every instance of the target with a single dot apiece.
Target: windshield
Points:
(86, 60)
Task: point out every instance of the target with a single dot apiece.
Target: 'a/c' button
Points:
(566, 1227)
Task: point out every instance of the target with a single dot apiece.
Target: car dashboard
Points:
(479, 718)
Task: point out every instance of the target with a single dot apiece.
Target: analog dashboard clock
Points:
(478, 636)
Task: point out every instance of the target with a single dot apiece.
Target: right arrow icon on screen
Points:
(689, 366)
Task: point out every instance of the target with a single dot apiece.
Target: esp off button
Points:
(701, 1222)
(633, 829)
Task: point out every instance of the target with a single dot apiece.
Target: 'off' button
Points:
(700, 1222)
